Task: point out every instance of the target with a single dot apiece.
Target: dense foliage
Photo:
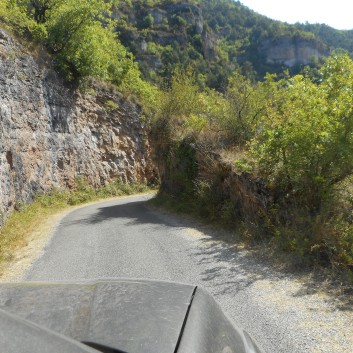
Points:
(214, 37)
(295, 132)
(304, 152)
(306, 137)
(80, 35)
(334, 38)
(77, 32)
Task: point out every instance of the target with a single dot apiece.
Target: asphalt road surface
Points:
(127, 238)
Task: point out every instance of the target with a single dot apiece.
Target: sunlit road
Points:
(126, 238)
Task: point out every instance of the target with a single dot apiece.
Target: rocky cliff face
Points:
(176, 25)
(292, 52)
(50, 134)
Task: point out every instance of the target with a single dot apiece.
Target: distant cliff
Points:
(214, 38)
(162, 36)
(293, 51)
(50, 133)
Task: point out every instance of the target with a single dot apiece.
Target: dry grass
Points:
(22, 225)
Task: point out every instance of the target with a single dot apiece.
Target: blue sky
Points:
(337, 14)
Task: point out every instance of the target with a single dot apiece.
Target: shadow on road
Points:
(231, 262)
(133, 212)
(243, 268)
(224, 252)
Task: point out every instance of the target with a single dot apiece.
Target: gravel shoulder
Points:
(293, 312)
(313, 314)
(303, 311)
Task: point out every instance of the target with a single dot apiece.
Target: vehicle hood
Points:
(132, 316)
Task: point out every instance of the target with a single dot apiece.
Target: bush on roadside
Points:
(294, 135)
(79, 34)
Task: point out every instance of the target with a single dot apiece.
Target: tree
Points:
(79, 33)
(42, 7)
(74, 17)
(244, 107)
(148, 21)
(305, 143)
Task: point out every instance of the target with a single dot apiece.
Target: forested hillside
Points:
(217, 36)
(213, 37)
(334, 38)
(237, 139)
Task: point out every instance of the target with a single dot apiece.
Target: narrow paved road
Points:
(126, 238)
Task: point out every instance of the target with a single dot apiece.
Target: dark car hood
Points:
(133, 316)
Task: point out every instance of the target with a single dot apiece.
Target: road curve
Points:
(126, 238)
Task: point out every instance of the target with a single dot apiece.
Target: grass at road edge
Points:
(262, 247)
(22, 223)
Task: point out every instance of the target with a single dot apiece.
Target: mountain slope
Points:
(217, 36)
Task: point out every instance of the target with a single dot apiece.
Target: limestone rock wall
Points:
(292, 51)
(50, 133)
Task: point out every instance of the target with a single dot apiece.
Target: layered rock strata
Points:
(50, 133)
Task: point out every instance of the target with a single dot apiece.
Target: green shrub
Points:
(78, 32)
(305, 143)
(304, 150)
(148, 21)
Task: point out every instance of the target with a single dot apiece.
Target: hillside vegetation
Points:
(270, 157)
(215, 37)
(80, 36)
